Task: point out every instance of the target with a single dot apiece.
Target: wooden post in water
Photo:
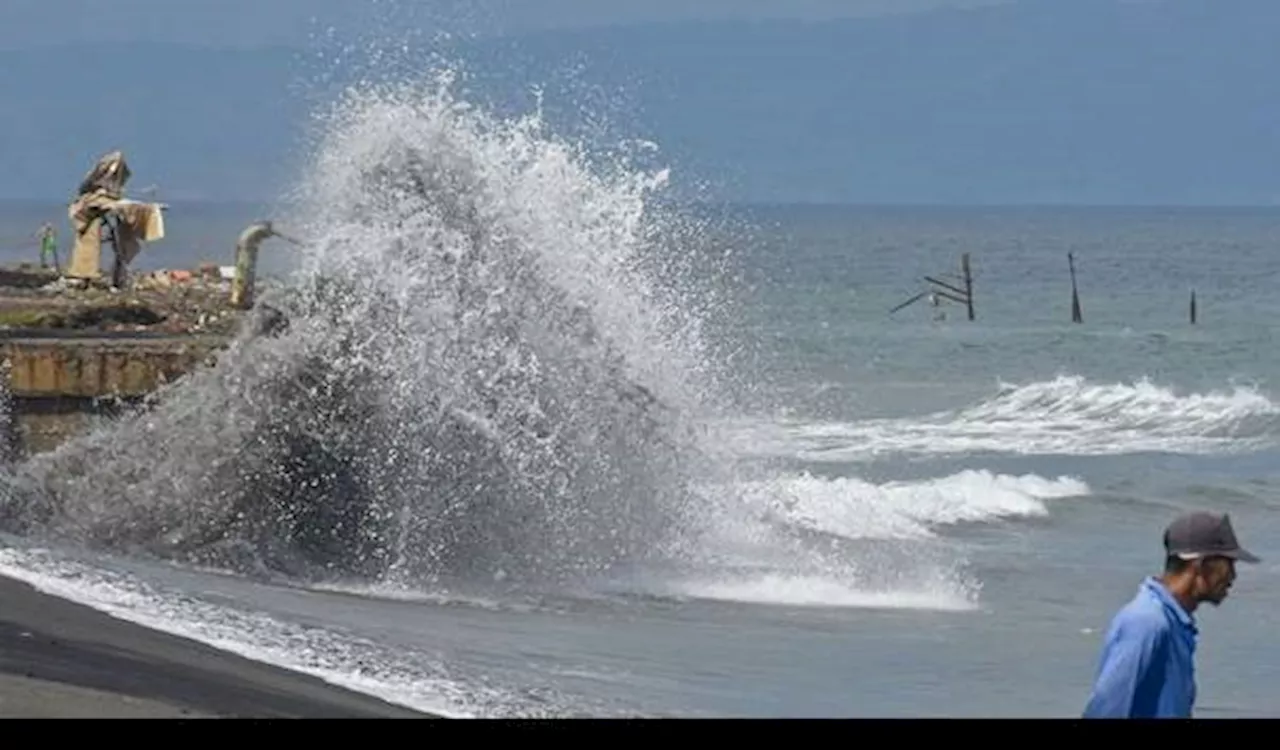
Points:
(1076, 316)
(1193, 307)
(968, 283)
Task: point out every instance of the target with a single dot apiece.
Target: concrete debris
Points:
(174, 301)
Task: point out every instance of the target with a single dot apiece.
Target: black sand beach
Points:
(59, 659)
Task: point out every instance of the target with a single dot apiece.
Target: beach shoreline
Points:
(60, 659)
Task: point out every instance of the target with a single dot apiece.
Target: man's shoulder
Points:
(1142, 617)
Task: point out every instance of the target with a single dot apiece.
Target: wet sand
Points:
(59, 659)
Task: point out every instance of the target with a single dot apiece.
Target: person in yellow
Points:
(100, 198)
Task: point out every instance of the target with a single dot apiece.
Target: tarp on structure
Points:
(101, 195)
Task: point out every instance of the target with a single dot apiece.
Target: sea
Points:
(424, 490)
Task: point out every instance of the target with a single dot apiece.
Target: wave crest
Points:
(1068, 415)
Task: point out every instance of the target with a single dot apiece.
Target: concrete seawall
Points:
(58, 381)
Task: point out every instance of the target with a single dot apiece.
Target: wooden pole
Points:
(944, 285)
(911, 301)
(968, 283)
(1076, 316)
(1193, 307)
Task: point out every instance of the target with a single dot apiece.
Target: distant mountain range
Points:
(1049, 101)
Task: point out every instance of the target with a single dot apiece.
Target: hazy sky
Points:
(1079, 101)
(293, 22)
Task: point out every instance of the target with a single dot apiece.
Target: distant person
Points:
(48, 247)
(1147, 664)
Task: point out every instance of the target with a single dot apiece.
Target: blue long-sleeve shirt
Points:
(1147, 669)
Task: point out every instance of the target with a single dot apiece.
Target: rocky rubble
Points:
(167, 302)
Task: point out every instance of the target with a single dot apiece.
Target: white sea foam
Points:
(857, 509)
(349, 662)
(775, 589)
(802, 540)
(1064, 416)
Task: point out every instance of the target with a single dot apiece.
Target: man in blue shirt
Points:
(1147, 669)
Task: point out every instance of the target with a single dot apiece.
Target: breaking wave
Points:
(472, 373)
(1064, 416)
(856, 509)
(870, 542)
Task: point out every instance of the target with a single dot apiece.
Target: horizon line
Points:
(753, 203)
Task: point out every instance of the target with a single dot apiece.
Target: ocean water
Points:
(836, 511)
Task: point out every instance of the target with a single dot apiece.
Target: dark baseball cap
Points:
(1204, 534)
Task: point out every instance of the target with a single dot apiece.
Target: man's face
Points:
(1214, 576)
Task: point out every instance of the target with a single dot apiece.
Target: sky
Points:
(251, 23)
(1133, 102)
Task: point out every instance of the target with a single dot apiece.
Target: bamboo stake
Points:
(1076, 316)
(968, 283)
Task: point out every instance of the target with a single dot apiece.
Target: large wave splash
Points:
(479, 378)
(1068, 415)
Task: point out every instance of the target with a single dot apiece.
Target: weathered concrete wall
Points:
(57, 385)
(98, 368)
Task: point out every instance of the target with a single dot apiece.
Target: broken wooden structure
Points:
(961, 292)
